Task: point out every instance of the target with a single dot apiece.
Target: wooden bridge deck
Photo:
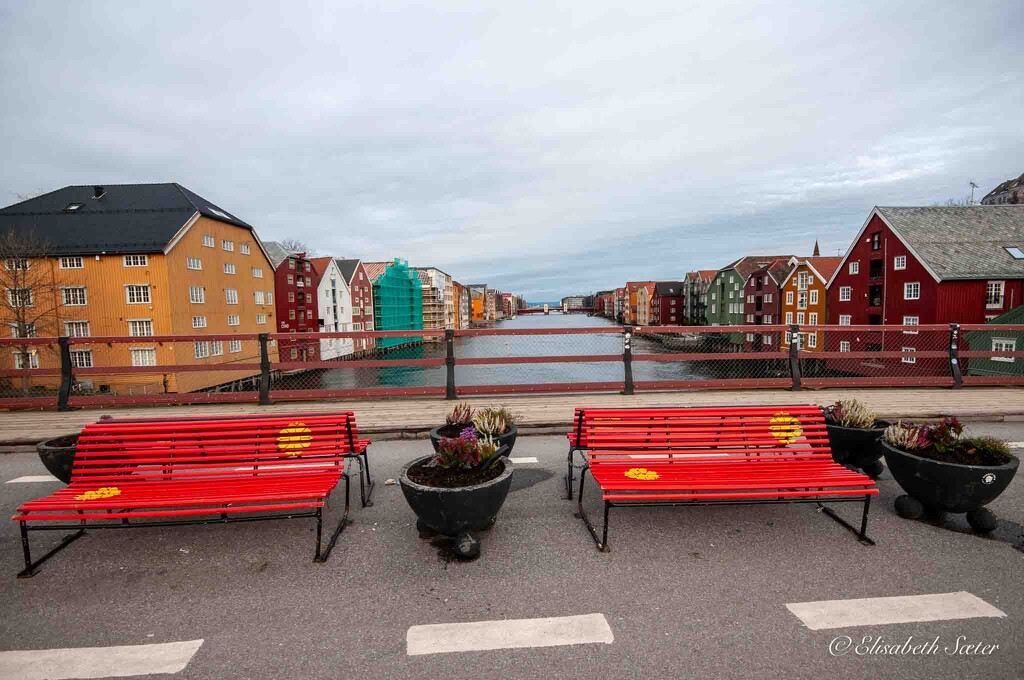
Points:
(410, 418)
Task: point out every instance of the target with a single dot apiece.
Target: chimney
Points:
(97, 192)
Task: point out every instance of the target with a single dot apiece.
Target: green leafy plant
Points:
(461, 414)
(986, 450)
(466, 451)
(852, 413)
(942, 436)
(903, 436)
(943, 441)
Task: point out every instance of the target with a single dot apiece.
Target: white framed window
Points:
(291, 296)
(291, 263)
(845, 319)
(768, 298)
(270, 297)
(229, 268)
(789, 318)
(855, 267)
(994, 294)
(234, 320)
(231, 296)
(802, 279)
(228, 245)
(714, 308)
(259, 297)
(143, 356)
(768, 318)
(208, 241)
(137, 294)
(812, 318)
(243, 248)
(1004, 345)
(234, 345)
(911, 291)
(140, 328)
(17, 264)
(789, 297)
(136, 260)
(73, 296)
(76, 329)
(196, 295)
(257, 272)
(908, 359)
(750, 337)
(198, 322)
(800, 318)
(812, 340)
(202, 349)
(193, 263)
(29, 330)
(357, 326)
(71, 263)
(844, 345)
(24, 360)
(750, 299)
(801, 299)
(767, 340)
(261, 318)
(899, 262)
(750, 318)
(845, 293)
(910, 321)
(814, 296)
(81, 358)
(216, 348)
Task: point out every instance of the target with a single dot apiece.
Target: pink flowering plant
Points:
(467, 451)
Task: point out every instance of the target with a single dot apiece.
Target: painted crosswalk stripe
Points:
(1015, 445)
(508, 634)
(32, 478)
(873, 611)
(97, 662)
(523, 459)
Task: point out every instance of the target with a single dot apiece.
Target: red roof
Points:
(375, 269)
(825, 266)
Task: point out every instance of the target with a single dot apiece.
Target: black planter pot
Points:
(452, 512)
(58, 455)
(508, 440)
(857, 447)
(948, 487)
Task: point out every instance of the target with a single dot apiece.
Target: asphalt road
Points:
(686, 592)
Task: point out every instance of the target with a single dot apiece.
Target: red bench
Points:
(711, 456)
(208, 470)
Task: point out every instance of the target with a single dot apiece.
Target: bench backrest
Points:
(217, 447)
(610, 435)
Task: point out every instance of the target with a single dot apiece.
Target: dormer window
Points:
(72, 207)
(1015, 253)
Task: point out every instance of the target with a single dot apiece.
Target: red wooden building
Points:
(762, 303)
(667, 304)
(362, 300)
(295, 302)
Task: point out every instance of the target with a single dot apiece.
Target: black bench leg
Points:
(602, 542)
(862, 534)
(568, 476)
(30, 566)
(322, 556)
(365, 488)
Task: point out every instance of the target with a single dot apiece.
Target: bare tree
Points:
(29, 296)
(294, 245)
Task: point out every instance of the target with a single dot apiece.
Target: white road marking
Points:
(97, 662)
(33, 478)
(524, 459)
(874, 611)
(508, 634)
(1015, 445)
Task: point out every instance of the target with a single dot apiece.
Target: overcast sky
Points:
(543, 148)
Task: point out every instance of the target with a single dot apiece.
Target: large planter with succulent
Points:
(943, 471)
(459, 489)
(499, 424)
(853, 433)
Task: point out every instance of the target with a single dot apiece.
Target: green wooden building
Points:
(996, 341)
(397, 301)
(724, 302)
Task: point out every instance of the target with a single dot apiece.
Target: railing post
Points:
(627, 359)
(67, 377)
(264, 370)
(794, 356)
(954, 355)
(449, 362)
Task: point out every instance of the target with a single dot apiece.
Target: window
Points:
(21, 329)
(71, 263)
(369, 326)
(812, 318)
(814, 296)
(291, 314)
(258, 297)
(714, 308)
(1004, 345)
(243, 248)
(261, 318)
(789, 297)
(844, 345)
(76, 329)
(257, 272)
(802, 279)
(137, 294)
(910, 321)
(193, 263)
(789, 317)
(291, 278)
(198, 322)
(357, 326)
(143, 356)
(20, 297)
(196, 295)
(800, 318)
(801, 299)
(140, 327)
(994, 294)
(307, 268)
(845, 293)
(291, 296)
(911, 291)
(309, 298)
(845, 319)
(750, 318)
(899, 262)
(876, 241)
(855, 267)
(26, 359)
(81, 358)
(73, 296)
(270, 297)
(767, 318)
(16, 264)
(228, 245)
(750, 299)
(216, 348)
(309, 281)
(231, 296)
(136, 260)
(208, 241)
(750, 337)
(202, 349)
(767, 340)
(908, 359)
(812, 340)
(234, 345)
(229, 268)
(234, 320)
(1016, 253)
(72, 207)
(291, 263)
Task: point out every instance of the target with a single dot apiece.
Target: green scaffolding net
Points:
(397, 304)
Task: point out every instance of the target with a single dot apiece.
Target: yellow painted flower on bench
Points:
(642, 474)
(293, 438)
(97, 494)
(785, 428)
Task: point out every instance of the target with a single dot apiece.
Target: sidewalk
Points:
(412, 418)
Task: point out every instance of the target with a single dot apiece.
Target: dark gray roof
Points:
(963, 242)
(127, 218)
(276, 252)
(347, 267)
(670, 288)
(745, 266)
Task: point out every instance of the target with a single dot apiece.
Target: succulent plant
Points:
(852, 413)
(461, 414)
(466, 451)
